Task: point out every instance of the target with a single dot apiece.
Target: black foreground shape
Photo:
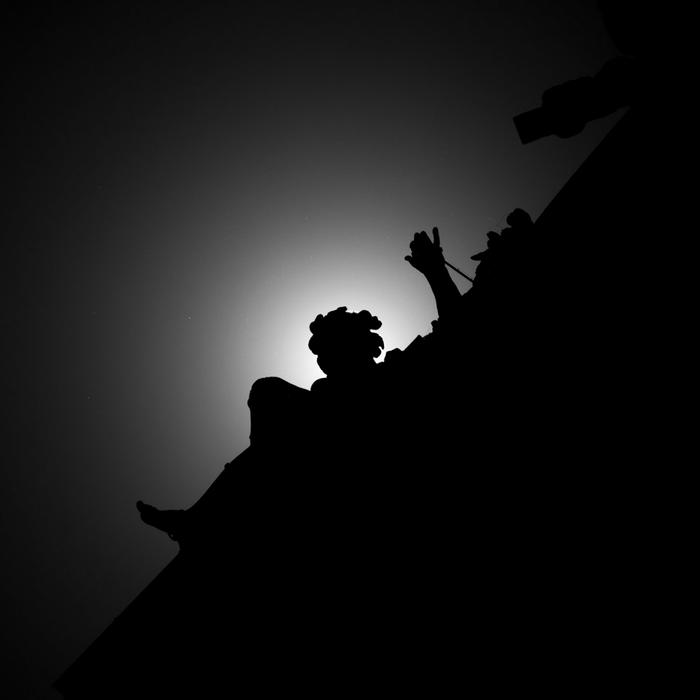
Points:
(475, 516)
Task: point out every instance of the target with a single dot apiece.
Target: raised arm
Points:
(426, 257)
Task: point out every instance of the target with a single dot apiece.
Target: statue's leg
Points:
(277, 413)
(218, 497)
(225, 487)
(249, 482)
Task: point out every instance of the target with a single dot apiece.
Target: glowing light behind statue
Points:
(193, 186)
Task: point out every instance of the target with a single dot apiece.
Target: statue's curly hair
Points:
(348, 329)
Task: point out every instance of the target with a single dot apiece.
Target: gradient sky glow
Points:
(192, 184)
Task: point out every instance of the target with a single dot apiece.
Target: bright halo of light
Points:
(280, 347)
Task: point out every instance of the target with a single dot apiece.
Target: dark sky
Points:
(190, 185)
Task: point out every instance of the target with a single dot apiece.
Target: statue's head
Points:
(344, 342)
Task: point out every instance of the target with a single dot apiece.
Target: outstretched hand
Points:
(426, 255)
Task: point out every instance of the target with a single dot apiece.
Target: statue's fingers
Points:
(409, 259)
(436, 236)
(423, 240)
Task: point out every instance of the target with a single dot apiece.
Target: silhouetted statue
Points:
(477, 505)
(282, 414)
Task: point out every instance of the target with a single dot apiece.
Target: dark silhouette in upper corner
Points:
(471, 512)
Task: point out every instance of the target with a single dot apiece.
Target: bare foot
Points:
(169, 521)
